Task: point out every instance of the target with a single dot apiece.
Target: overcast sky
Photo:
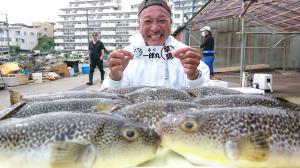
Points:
(28, 11)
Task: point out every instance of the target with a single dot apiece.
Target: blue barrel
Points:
(85, 69)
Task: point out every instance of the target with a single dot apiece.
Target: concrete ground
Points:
(69, 83)
(285, 84)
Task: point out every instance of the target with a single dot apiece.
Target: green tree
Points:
(14, 49)
(45, 44)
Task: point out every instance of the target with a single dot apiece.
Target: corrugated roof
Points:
(278, 15)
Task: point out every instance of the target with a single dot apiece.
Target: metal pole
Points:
(284, 55)
(7, 33)
(242, 68)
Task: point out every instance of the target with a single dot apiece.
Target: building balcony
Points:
(58, 40)
(82, 47)
(58, 26)
(59, 48)
(81, 41)
(80, 26)
(108, 33)
(81, 33)
(58, 33)
(108, 40)
(108, 25)
(133, 24)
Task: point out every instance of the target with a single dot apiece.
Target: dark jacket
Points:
(208, 44)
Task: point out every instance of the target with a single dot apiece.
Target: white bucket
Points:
(71, 71)
(37, 77)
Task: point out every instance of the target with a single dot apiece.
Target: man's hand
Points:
(190, 60)
(117, 62)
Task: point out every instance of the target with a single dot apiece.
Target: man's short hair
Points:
(146, 3)
(95, 33)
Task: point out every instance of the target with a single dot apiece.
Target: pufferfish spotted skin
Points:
(240, 136)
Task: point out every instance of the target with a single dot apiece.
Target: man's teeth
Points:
(155, 36)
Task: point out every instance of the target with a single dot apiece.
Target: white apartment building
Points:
(188, 7)
(26, 37)
(45, 29)
(114, 23)
(3, 37)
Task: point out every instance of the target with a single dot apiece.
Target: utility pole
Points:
(7, 34)
(243, 48)
(87, 24)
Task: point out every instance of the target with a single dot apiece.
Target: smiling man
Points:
(183, 68)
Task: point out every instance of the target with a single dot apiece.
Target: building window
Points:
(177, 16)
(18, 33)
(23, 41)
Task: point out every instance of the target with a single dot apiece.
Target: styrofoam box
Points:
(219, 83)
(11, 81)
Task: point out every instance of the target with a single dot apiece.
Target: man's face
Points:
(155, 25)
(94, 36)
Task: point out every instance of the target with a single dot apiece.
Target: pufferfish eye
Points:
(130, 134)
(189, 125)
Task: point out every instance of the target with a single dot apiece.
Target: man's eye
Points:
(146, 21)
(162, 21)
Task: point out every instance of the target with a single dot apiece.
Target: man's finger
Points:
(115, 61)
(121, 54)
(116, 68)
(179, 52)
(194, 61)
(190, 66)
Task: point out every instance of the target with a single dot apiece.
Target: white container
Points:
(11, 81)
(37, 77)
(218, 83)
(263, 81)
(71, 71)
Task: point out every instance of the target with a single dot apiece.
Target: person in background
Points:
(208, 49)
(184, 69)
(96, 53)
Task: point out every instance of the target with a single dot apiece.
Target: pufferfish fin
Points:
(106, 107)
(253, 147)
(11, 110)
(72, 155)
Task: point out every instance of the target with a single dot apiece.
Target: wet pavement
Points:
(285, 84)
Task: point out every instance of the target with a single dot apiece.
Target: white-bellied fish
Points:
(82, 105)
(245, 100)
(158, 93)
(203, 91)
(150, 112)
(236, 136)
(123, 90)
(75, 140)
(16, 97)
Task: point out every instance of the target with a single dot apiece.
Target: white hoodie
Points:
(153, 73)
